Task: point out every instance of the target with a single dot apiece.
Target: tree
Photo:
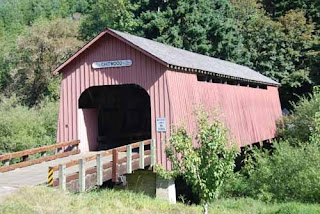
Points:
(205, 27)
(115, 14)
(315, 132)
(206, 165)
(286, 50)
(43, 46)
(278, 8)
(17, 15)
(300, 124)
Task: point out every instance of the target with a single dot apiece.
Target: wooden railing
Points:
(66, 148)
(105, 170)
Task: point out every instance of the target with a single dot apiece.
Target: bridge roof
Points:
(180, 59)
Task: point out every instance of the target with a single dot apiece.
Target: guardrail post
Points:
(141, 155)
(82, 175)
(129, 159)
(50, 176)
(99, 170)
(153, 152)
(62, 177)
(114, 165)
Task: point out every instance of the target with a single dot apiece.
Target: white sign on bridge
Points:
(112, 64)
(161, 125)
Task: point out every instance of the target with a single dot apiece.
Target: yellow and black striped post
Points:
(50, 176)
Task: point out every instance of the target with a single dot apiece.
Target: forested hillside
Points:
(278, 38)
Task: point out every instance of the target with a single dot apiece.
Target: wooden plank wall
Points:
(249, 113)
(79, 75)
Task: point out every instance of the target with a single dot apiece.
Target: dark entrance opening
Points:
(124, 113)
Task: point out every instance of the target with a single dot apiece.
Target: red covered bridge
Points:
(121, 88)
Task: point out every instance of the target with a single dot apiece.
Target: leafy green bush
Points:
(289, 174)
(296, 208)
(206, 166)
(22, 127)
(298, 125)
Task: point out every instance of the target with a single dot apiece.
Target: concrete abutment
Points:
(150, 183)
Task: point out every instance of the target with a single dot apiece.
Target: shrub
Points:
(296, 208)
(23, 128)
(297, 126)
(289, 174)
(206, 166)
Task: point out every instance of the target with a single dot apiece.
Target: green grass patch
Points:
(47, 200)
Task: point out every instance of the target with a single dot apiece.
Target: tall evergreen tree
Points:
(205, 27)
(278, 8)
(114, 14)
(285, 50)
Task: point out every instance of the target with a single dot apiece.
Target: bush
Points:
(289, 174)
(297, 126)
(23, 128)
(204, 160)
(296, 208)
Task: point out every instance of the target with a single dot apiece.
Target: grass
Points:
(45, 200)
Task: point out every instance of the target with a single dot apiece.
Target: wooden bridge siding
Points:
(79, 75)
(250, 113)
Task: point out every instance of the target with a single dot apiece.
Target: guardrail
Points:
(105, 171)
(67, 148)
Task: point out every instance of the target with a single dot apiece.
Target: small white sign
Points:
(112, 64)
(161, 124)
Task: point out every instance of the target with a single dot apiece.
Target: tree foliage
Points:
(287, 49)
(298, 126)
(206, 165)
(40, 50)
(205, 27)
(24, 128)
(277, 8)
(289, 174)
(17, 17)
(115, 14)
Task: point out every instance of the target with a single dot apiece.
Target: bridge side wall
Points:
(250, 114)
(79, 75)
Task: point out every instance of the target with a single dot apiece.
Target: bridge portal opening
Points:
(114, 116)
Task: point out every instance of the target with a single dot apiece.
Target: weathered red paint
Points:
(249, 113)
